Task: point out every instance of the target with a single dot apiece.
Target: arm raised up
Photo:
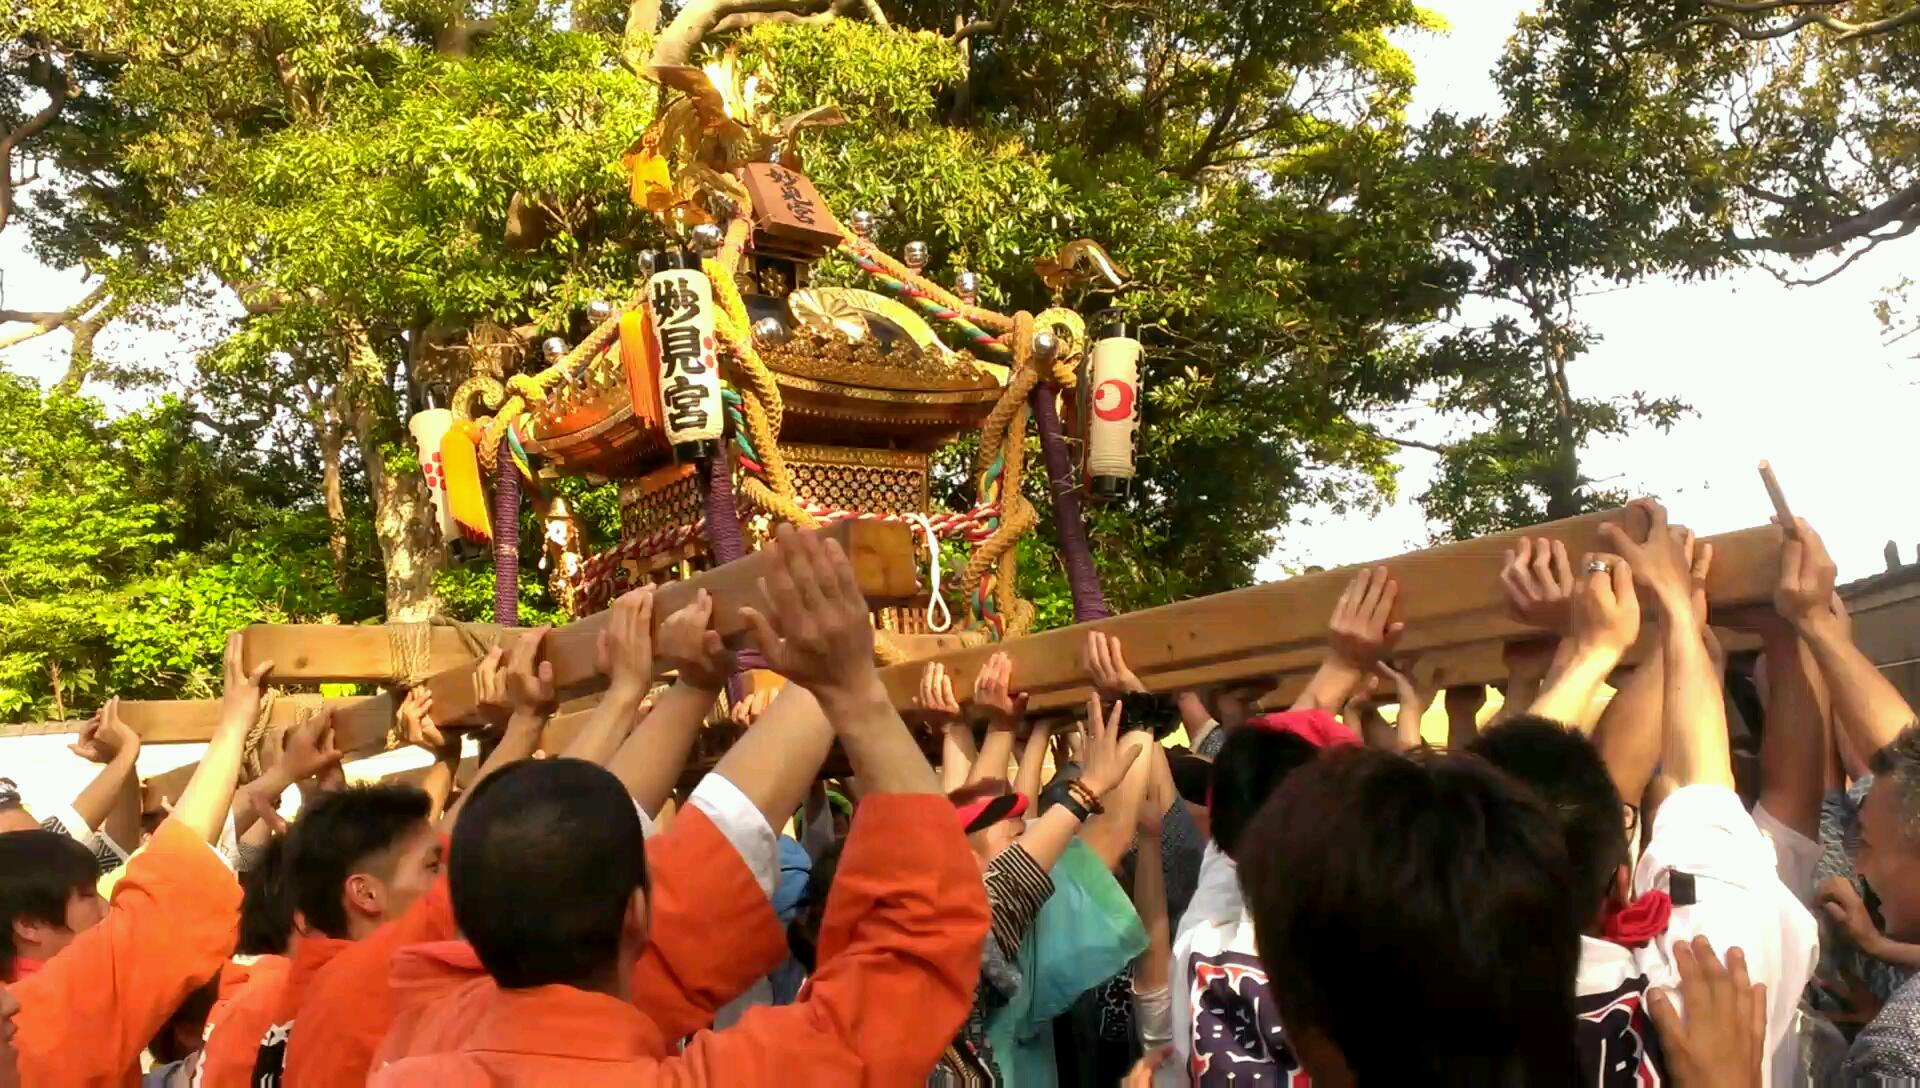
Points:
(649, 762)
(1694, 747)
(1869, 709)
(1362, 629)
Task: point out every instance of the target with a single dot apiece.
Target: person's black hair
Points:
(803, 933)
(1251, 765)
(266, 903)
(39, 872)
(1566, 771)
(185, 1031)
(1439, 878)
(545, 859)
(336, 835)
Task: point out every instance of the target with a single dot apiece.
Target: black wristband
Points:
(1072, 804)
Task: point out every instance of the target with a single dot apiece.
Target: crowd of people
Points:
(1576, 890)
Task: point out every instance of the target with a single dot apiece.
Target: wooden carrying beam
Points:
(171, 721)
(1449, 595)
(314, 653)
(883, 563)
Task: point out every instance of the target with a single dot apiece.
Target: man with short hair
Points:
(898, 951)
(358, 859)
(1877, 720)
(111, 978)
(47, 898)
(1217, 979)
(1707, 869)
(1435, 877)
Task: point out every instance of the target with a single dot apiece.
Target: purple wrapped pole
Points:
(1082, 579)
(506, 538)
(724, 539)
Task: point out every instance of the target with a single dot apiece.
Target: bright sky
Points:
(1797, 376)
(1794, 375)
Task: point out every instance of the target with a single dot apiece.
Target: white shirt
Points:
(1218, 1012)
(1739, 901)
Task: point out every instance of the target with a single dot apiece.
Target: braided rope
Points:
(858, 247)
(410, 645)
(253, 761)
(529, 389)
(988, 579)
(981, 339)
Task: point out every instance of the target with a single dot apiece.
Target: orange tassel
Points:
(460, 461)
(640, 358)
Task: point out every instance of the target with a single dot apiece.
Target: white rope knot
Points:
(939, 617)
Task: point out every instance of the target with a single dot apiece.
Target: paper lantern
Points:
(427, 429)
(680, 306)
(1113, 408)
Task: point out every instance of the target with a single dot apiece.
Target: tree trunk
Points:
(331, 442)
(403, 517)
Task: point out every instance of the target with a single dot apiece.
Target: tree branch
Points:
(58, 86)
(989, 25)
(1756, 7)
(1873, 243)
(699, 18)
(1846, 31)
(1894, 209)
(42, 322)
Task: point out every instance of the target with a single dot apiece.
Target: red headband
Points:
(1316, 727)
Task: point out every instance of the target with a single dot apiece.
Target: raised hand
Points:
(626, 644)
(1105, 662)
(308, 747)
(1606, 611)
(243, 690)
(490, 683)
(936, 696)
(529, 680)
(1840, 901)
(688, 642)
(1538, 580)
(106, 736)
(1106, 759)
(992, 690)
(1805, 595)
(817, 632)
(416, 725)
(748, 710)
(1719, 1041)
(1660, 565)
(1363, 627)
(266, 807)
(1414, 691)
(1698, 555)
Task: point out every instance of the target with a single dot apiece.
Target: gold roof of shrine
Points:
(854, 368)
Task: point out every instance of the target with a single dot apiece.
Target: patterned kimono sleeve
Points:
(1016, 888)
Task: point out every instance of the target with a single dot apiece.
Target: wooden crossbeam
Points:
(171, 721)
(1450, 595)
(883, 562)
(313, 653)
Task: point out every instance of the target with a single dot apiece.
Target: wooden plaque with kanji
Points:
(787, 208)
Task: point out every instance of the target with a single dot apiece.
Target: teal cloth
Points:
(1085, 934)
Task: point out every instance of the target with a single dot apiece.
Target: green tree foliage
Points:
(129, 547)
(406, 193)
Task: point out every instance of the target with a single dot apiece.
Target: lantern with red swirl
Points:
(1112, 407)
